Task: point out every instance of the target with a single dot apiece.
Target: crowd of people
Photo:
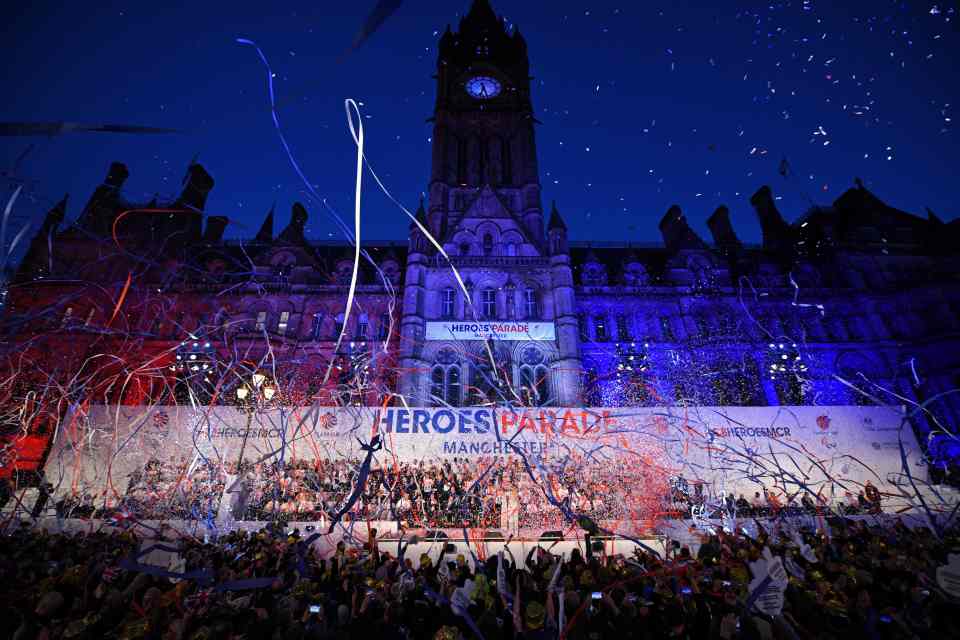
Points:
(850, 580)
(496, 493)
(456, 492)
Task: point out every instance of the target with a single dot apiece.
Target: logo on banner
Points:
(823, 422)
(328, 421)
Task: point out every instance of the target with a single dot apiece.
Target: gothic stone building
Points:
(857, 291)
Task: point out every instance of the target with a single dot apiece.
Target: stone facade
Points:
(856, 293)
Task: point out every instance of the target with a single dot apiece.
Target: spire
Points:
(481, 10)
(59, 211)
(556, 222)
(519, 39)
(446, 40)
(266, 229)
(480, 18)
(420, 215)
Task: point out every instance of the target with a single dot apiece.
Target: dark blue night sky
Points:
(643, 105)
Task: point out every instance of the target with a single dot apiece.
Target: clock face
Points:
(483, 87)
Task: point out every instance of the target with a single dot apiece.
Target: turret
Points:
(417, 239)
(557, 232)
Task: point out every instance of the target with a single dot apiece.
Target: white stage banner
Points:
(541, 331)
(726, 449)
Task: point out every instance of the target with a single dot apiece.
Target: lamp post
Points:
(262, 393)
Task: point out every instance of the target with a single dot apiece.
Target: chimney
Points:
(677, 234)
(775, 230)
(724, 237)
(295, 231)
(117, 175)
(97, 216)
(197, 185)
(215, 228)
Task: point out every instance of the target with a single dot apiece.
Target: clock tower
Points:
(494, 322)
(483, 123)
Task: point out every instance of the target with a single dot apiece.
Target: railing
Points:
(493, 261)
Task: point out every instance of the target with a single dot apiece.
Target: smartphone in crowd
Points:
(314, 608)
(686, 591)
(597, 595)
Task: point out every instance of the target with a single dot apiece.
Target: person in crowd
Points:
(863, 580)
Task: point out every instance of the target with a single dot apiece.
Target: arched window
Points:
(363, 324)
(530, 306)
(534, 385)
(384, 330)
(445, 385)
(316, 330)
(600, 328)
(447, 299)
(338, 327)
(484, 384)
(487, 244)
(283, 323)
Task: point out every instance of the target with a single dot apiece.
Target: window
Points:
(488, 303)
(447, 297)
(623, 331)
(703, 326)
(445, 385)
(317, 328)
(584, 332)
(283, 323)
(667, 329)
(600, 328)
(487, 244)
(338, 327)
(534, 385)
(484, 384)
(464, 249)
(384, 330)
(530, 303)
(261, 323)
(363, 324)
